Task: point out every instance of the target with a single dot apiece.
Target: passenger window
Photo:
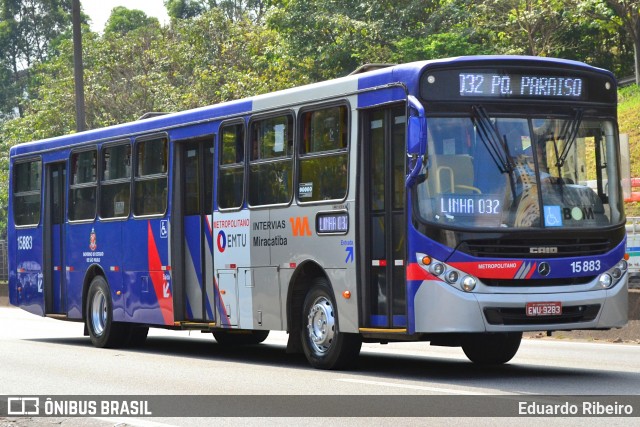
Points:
(323, 155)
(115, 186)
(151, 177)
(26, 192)
(271, 161)
(231, 166)
(83, 185)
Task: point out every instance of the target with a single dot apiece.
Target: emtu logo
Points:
(300, 226)
(221, 241)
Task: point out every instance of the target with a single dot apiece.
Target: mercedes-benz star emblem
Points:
(544, 268)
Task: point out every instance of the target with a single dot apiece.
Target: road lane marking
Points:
(415, 387)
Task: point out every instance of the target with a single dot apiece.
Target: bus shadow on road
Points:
(385, 367)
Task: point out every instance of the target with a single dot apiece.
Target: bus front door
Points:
(194, 235)
(385, 224)
(53, 233)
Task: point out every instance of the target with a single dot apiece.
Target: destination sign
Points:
(520, 85)
(516, 83)
(332, 223)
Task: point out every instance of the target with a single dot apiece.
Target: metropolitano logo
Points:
(23, 406)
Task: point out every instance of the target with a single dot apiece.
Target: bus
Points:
(459, 201)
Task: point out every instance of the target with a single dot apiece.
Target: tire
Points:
(491, 349)
(103, 331)
(240, 337)
(322, 342)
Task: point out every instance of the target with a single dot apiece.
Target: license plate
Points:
(544, 308)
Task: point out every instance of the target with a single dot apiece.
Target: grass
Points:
(629, 123)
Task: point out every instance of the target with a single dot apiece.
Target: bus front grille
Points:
(518, 316)
(506, 248)
(538, 283)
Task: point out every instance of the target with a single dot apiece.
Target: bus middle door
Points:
(53, 232)
(196, 184)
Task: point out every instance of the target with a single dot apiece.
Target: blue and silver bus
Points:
(460, 201)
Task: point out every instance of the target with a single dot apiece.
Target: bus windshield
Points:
(520, 172)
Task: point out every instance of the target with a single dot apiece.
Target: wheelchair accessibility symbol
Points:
(552, 216)
(164, 229)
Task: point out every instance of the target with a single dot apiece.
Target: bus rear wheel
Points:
(491, 348)
(240, 337)
(103, 331)
(324, 345)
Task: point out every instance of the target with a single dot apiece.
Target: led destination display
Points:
(520, 85)
(516, 83)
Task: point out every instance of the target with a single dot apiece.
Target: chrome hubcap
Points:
(321, 324)
(98, 313)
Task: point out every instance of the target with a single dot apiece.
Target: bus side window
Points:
(151, 177)
(115, 186)
(271, 162)
(83, 185)
(322, 174)
(231, 170)
(26, 192)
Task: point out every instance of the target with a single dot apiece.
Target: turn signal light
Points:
(346, 294)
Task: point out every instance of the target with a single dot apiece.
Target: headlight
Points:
(605, 280)
(437, 268)
(616, 273)
(447, 273)
(612, 277)
(468, 283)
(451, 276)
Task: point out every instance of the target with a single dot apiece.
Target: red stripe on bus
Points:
(415, 272)
(161, 288)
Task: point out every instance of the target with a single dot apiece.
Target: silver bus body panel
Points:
(441, 308)
(265, 246)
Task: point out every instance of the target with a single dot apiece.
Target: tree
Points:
(335, 35)
(529, 27)
(123, 20)
(625, 14)
(27, 29)
(441, 45)
(232, 9)
(185, 9)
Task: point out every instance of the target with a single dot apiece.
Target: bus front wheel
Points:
(103, 331)
(491, 348)
(324, 345)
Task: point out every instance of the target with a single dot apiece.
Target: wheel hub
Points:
(321, 324)
(98, 313)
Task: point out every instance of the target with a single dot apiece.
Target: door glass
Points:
(378, 272)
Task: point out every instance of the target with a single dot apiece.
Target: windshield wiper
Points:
(490, 137)
(569, 134)
(495, 144)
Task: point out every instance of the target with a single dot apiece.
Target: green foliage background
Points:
(219, 50)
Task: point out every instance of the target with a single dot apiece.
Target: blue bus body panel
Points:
(25, 269)
(148, 288)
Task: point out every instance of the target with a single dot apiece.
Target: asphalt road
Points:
(42, 356)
